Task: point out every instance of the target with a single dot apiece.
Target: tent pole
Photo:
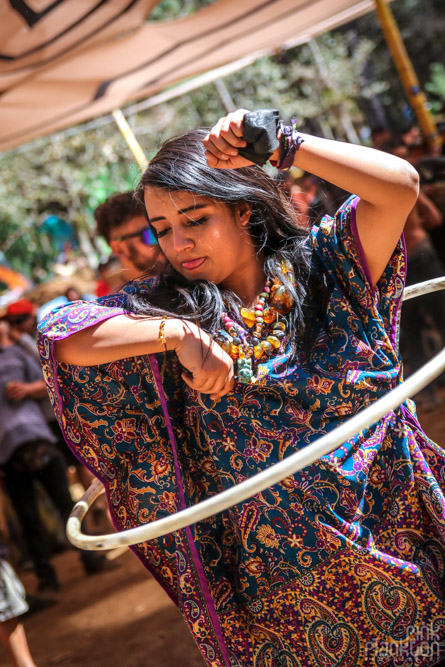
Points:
(323, 71)
(224, 95)
(407, 74)
(129, 137)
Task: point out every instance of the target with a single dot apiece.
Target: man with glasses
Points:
(122, 222)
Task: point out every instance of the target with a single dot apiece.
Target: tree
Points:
(424, 43)
(68, 177)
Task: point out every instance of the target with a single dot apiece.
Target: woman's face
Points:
(203, 239)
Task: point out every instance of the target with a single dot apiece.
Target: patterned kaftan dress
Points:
(342, 564)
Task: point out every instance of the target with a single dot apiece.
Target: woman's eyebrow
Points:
(194, 207)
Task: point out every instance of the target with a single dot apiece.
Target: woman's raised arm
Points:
(387, 185)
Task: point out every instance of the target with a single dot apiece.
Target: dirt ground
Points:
(119, 618)
(122, 618)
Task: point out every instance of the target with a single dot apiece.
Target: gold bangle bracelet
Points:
(161, 336)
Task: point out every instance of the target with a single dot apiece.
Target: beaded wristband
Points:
(290, 142)
(161, 336)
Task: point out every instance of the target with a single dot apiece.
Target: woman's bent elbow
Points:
(411, 182)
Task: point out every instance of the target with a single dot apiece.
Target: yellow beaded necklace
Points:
(266, 327)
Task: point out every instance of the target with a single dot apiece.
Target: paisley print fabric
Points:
(342, 564)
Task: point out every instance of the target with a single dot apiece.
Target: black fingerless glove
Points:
(260, 131)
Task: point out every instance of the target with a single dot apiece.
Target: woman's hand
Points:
(223, 141)
(210, 368)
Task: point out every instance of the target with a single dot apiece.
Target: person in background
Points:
(110, 276)
(412, 136)
(12, 605)
(423, 263)
(380, 135)
(28, 452)
(122, 222)
(22, 320)
(314, 198)
(72, 293)
(13, 601)
(303, 194)
(285, 182)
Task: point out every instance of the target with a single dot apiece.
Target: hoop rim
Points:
(268, 477)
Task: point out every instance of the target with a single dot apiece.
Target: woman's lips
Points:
(193, 263)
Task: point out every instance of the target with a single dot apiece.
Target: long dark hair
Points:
(180, 165)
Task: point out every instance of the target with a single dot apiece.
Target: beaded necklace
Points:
(266, 327)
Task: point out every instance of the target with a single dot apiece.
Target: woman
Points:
(259, 339)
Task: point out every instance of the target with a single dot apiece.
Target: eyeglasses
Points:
(147, 236)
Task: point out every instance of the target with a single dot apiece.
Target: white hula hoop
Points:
(273, 475)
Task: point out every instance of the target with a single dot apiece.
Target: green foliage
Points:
(68, 177)
(333, 86)
(436, 86)
(422, 26)
(174, 9)
(322, 93)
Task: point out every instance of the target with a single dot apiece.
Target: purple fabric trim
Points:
(358, 243)
(407, 416)
(69, 443)
(196, 559)
(59, 398)
(393, 332)
(57, 392)
(67, 334)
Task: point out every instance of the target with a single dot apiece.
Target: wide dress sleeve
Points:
(112, 418)
(116, 419)
(310, 553)
(357, 361)
(359, 342)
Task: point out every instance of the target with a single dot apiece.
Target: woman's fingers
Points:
(225, 137)
(228, 386)
(215, 377)
(223, 384)
(212, 382)
(216, 389)
(232, 127)
(209, 369)
(227, 163)
(222, 145)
